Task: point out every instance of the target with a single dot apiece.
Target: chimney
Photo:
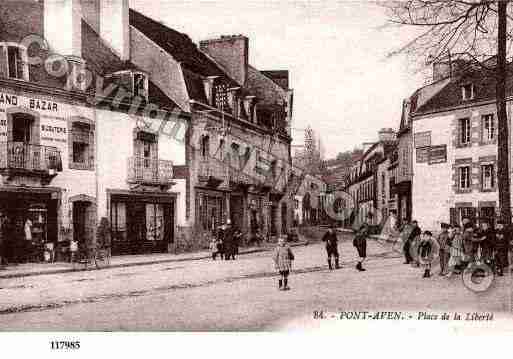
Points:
(114, 26)
(231, 52)
(63, 26)
(386, 134)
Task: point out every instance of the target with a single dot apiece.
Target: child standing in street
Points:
(428, 249)
(214, 247)
(283, 258)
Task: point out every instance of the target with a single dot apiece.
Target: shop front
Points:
(30, 227)
(141, 222)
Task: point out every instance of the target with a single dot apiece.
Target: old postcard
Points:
(268, 166)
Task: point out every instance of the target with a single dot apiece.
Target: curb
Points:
(136, 264)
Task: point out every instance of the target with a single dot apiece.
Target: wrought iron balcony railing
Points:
(149, 171)
(31, 158)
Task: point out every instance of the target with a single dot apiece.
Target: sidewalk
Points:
(33, 269)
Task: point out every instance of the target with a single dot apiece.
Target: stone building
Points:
(455, 151)
(237, 148)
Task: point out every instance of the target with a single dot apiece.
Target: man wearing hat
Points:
(444, 254)
(360, 242)
(330, 237)
(501, 245)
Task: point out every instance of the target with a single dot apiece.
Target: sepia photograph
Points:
(255, 166)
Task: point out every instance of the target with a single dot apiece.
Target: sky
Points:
(345, 87)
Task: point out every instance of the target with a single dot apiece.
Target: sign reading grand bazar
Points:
(165, 139)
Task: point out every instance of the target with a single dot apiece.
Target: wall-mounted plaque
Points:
(437, 154)
(422, 155)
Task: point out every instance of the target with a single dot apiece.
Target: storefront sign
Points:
(422, 155)
(437, 154)
(422, 139)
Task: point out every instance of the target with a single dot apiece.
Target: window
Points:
(467, 92)
(141, 85)
(136, 83)
(205, 144)
(464, 177)
(81, 146)
(487, 177)
(488, 125)
(80, 151)
(464, 131)
(15, 59)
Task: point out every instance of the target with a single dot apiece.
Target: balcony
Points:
(26, 159)
(239, 179)
(211, 173)
(147, 171)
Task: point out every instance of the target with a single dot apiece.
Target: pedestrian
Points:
(456, 250)
(444, 254)
(360, 242)
(330, 237)
(427, 250)
(28, 245)
(73, 250)
(228, 240)
(283, 258)
(468, 243)
(414, 232)
(485, 239)
(3, 246)
(501, 246)
(214, 247)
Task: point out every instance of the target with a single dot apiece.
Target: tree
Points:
(473, 31)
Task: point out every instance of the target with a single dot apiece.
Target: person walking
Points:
(227, 236)
(414, 233)
(360, 242)
(444, 254)
(330, 237)
(283, 257)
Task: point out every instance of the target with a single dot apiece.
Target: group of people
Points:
(458, 246)
(225, 242)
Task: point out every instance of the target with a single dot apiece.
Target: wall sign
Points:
(422, 139)
(423, 155)
(437, 154)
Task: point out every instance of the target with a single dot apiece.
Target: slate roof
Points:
(195, 64)
(450, 96)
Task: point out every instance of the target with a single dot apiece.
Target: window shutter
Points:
(91, 148)
(3, 61)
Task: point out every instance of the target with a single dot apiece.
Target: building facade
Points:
(455, 145)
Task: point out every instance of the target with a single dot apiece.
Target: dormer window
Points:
(137, 83)
(13, 61)
(467, 92)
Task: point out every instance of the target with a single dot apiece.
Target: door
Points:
(236, 211)
(79, 222)
(136, 225)
(283, 218)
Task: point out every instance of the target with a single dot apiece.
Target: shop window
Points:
(487, 177)
(488, 128)
(14, 61)
(205, 147)
(154, 222)
(465, 131)
(464, 177)
(118, 221)
(467, 92)
(82, 146)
